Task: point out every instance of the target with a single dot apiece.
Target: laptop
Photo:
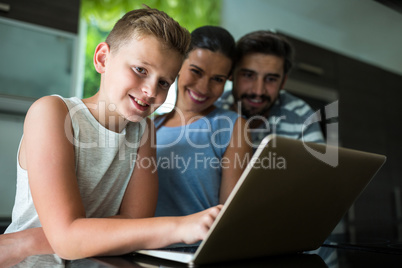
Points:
(289, 199)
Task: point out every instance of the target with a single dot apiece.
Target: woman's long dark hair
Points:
(215, 39)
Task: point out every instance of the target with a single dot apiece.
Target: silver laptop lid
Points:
(287, 200)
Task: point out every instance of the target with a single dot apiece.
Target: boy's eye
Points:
(141, 70)
(164, 84)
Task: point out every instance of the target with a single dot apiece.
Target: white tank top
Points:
(104, 163)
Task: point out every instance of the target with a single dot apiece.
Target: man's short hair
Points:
(148, 21)
(266, 42)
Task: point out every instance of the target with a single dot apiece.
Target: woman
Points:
(202, 150)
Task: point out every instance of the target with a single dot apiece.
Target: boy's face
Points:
(257, 80)
(137, 77)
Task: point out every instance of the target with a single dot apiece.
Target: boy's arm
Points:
(141, 195)
(54, 188)
(15, 247)
(235, 158)
(139, 202)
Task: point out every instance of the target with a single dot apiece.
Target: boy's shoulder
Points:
(48, 105)
(46, 115)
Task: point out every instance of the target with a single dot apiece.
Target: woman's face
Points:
(201, 80)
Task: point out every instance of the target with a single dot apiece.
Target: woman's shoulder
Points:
(159, 119)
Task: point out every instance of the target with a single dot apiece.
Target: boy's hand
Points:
(194, 227)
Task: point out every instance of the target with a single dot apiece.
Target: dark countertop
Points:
(331, 255)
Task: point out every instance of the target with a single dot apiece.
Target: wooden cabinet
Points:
(369, 120)
(362, 106)
(52, 49)
(319, 69)
(61, 15)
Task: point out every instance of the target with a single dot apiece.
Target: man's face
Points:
(256, 83)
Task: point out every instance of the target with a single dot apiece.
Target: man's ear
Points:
(101, 53)
(230, 78)
(283, 82)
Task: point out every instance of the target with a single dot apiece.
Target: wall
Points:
(10, 133)
(362, 29)
(39, 52)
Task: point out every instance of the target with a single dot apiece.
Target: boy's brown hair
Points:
(149, 21)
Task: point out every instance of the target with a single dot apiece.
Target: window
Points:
(99, 16)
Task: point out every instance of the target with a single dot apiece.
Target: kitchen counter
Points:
(332, 255)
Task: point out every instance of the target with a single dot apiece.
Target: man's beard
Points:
(255, 111)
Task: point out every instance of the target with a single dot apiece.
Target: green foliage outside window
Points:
(101, 15)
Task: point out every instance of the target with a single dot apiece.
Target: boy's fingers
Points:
(215, 210)
(212, 214)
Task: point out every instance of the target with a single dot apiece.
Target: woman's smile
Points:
(196, 97)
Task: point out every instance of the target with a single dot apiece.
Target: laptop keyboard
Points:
(191, 249)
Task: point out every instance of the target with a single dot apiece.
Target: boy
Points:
(74, 175)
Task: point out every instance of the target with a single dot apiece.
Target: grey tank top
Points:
(104, 164)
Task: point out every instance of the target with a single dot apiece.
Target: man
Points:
(263, 62)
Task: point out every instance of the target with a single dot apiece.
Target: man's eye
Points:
(141, 70)
(247, 74)
(271, 79)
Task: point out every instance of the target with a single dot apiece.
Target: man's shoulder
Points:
(292, 105)
(227, 94)
(225, 101)
(286, 97)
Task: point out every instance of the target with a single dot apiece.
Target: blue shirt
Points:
(189, 163)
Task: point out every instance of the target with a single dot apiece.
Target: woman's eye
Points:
(218, 79)
(195, 71)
